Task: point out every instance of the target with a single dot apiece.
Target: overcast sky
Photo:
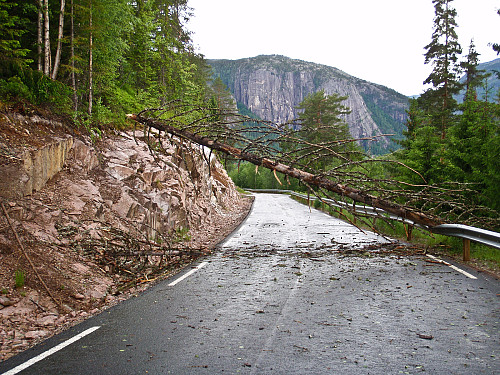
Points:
(381, 41)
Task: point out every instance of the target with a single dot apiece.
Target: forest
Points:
(96, 60)
(99, 59)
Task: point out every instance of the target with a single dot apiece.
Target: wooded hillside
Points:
(99, 59)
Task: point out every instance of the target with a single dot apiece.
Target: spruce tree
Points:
(10, 34)
(443, 52)
(323, 130)
(474, 77)
(472, 146)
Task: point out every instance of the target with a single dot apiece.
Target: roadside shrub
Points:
(317, 204)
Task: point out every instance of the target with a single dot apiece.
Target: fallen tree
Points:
(307, 177)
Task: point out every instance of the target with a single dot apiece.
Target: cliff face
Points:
(273, 86)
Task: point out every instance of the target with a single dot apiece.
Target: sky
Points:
(381, 41)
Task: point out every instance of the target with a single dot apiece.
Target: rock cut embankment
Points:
(98, 219)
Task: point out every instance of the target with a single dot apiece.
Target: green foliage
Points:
(423, 156)
(247, 176)
(20, 82)
(13, 88)
(446, 142)
(20, 278)
(443, 52)
(322, 133)
(11, 31)
(474, 151)
(181, 234)
(84, 122)
(317, 203)
(141, 57)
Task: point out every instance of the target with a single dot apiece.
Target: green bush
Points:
(13, 88)
(18, 82)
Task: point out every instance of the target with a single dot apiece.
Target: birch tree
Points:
(57, 60)
(46, 38)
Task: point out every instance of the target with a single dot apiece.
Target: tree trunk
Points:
(72, 42)
(39, 37)
(90, 62)
(325, 183)
(57, 60)
(47, 57)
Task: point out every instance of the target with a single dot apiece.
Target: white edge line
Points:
(187, 274)
(49, 352)
(452, 267)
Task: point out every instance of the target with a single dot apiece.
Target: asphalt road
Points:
(285, 295)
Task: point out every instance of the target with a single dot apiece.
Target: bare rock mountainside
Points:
(271, 87)
(97, 220)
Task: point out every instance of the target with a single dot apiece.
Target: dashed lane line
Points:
(452, 266)
(187, 274)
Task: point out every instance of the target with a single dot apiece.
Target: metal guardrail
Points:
(486, 237)
(363, 209)
(467, 233)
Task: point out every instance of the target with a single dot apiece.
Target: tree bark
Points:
(72, 45)
(47, 57)
(325, 183)
(90, 63)
(39, 38)
(57, 60)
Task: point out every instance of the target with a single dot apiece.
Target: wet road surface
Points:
(282, 297)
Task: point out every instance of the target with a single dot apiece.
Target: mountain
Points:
(272, 86)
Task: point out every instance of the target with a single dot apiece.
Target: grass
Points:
(181, 234)
(20, 278)
(241, 191)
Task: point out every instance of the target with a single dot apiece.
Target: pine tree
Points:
(474, 77)
(323, 132)
(443, 52)
(473, 141)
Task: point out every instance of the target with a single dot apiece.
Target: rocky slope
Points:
(273, 86)
(98, 222)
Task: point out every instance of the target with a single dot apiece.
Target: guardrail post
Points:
(466, 249)
(408, 230)
(354, 212)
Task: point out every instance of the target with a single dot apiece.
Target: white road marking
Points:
(186, 275)
(452, 266)
(49, 352)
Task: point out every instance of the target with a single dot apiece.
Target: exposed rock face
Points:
(177, 190)
(31, 168)
(159, 191)
(273, 86)
(88, 195)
